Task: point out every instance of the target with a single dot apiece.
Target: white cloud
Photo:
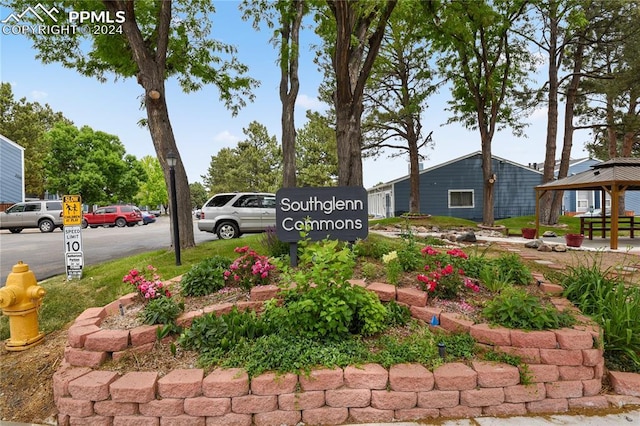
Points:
(226, 138)
(38, 95)
(308, 102)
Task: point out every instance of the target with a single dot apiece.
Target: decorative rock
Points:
(467, 237)
(545, 248)
(533, 244)
(549, 234)
(560, 248)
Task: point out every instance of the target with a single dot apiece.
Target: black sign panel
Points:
(339, 213)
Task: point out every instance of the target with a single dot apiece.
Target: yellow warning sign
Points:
(72, 210)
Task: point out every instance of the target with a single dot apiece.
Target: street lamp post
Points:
(172, 160)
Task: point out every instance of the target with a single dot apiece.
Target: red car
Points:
(119, 216)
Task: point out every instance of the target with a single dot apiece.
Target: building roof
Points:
(624, 172)
(455, 160)
(10, 142)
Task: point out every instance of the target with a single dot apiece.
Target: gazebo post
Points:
(538, 196)
(614, 217)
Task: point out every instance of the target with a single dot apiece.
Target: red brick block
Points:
(367, 376)
(169, 407)
(496, 336)
(494, 375)
(590, 402)
(548, 405)
(219, 309)
(625, 383)
(561, 356)
(301, 401)
(416, 414)
(251, 404)
(322, 379)
(505, 410)
(591, 387)
(369, 414)
(461, 412)
(111, 408)
(525, 393)
(63, 377)
(92, 313)
(566, 389)
(231, 419)
(410, 378)
(277, 418)
(244, 306)
(455, 323)
(143, 335)
(146, 348)
(385, 292)
(325, 416)
(482, 397)
(438, 399)
(393, 400)
(274, 384)
(264, 292)
(425, 314)
(138, 386)
(579, 372)
(186, 319)
(455, 376)
(540, 373)
(568, 338)
(202, 406)
(359, 283)
(88, 321)
(348, 397)
(77, 334)
(181, 383)
(90, 421)
(93, 386)
(528, 355)
(182, 420)
(592, 357)
(411, 296)
(107, 340)
(533, 339)
(598, 370)
(226, 383)
(75, 407)
(553, 289)
(136, 421)
(82, 358)
(620, 401)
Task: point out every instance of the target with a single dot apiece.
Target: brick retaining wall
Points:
(565, 368)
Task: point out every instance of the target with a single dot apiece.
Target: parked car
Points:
(119, 216)
(43, 214)
(233, 214)
(147, 217)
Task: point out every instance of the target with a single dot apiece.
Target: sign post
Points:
(72, 229)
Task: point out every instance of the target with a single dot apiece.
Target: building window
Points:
(461, 199)
(582, 205)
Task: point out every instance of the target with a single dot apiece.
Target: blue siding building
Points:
(455, 189)
(11, 172)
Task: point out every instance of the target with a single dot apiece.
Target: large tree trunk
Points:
(488, 179)
(414, 171)
(151, 76)
(547, 215)
(289, 86)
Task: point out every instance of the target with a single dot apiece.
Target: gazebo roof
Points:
(624, 172)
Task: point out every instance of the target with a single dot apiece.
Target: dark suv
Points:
(234, 214)
(43, 214)
(119, 216)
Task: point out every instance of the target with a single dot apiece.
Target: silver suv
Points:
(231, 215)
(43, 214)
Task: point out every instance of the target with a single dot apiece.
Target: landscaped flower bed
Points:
(556, 370)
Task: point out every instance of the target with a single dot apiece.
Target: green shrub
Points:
(515, 308)
(409, 253)
(510, 266)
(205, 277)
(274, 246)
(493, 280)
(370, 271)
(397, 315)
(163, 310)
(613, 305)
(372, 247)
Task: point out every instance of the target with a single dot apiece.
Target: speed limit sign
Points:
(73, 251)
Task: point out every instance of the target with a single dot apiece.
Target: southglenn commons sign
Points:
(338, 213)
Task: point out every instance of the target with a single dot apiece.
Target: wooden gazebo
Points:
(613, 177)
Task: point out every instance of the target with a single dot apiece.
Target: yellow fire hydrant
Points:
(19, 300)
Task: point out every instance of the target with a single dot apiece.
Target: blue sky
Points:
(202, 125)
